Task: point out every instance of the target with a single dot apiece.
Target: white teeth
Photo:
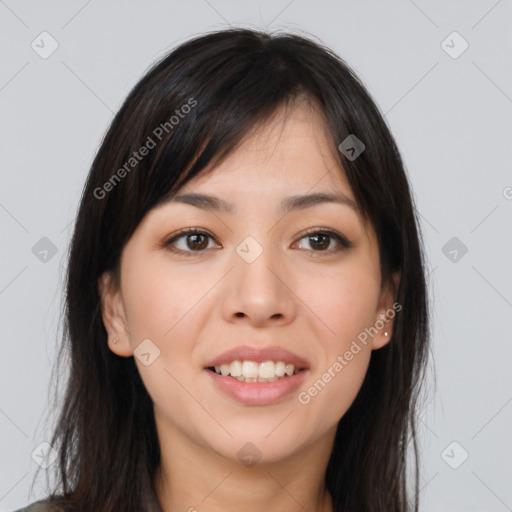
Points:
(250, 371)
(267, 369)
(235, 369)
(280, 366)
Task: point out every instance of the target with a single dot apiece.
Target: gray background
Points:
(452, 118)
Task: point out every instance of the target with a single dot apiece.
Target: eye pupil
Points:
(316, 237)
(195, 237)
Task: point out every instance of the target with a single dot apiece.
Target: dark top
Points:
(37, 506)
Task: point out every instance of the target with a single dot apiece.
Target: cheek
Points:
(158, 298)
(337, 379)
(329, 396)
(343, 304)
(344, 307)
(150, 307)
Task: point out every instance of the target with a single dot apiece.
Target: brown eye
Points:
(189, 240)
(321, 240)
(196, 241)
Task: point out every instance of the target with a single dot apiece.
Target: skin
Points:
(300, 293)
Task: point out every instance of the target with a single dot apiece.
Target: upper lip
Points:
(259, 355)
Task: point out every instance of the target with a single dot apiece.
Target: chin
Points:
(264, 444)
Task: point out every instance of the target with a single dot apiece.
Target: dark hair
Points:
(196, 105)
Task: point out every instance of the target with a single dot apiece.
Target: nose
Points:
(259, 293)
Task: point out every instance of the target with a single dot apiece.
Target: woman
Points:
(246, 309)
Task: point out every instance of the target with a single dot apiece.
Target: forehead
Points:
(292, 151)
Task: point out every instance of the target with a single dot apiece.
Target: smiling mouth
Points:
(250, 371)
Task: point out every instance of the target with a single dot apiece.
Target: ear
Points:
(113, 315)
(386, 312)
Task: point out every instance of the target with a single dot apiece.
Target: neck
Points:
(234, 491)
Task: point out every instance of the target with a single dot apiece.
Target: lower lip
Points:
(257, 393)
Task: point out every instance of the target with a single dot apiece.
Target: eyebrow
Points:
(298, 202)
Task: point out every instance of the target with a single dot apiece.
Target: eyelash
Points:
(343, 242)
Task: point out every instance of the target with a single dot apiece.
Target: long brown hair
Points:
(195, 105)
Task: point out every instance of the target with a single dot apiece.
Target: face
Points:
(305, 280)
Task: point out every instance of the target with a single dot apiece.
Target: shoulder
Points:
(38, 506)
